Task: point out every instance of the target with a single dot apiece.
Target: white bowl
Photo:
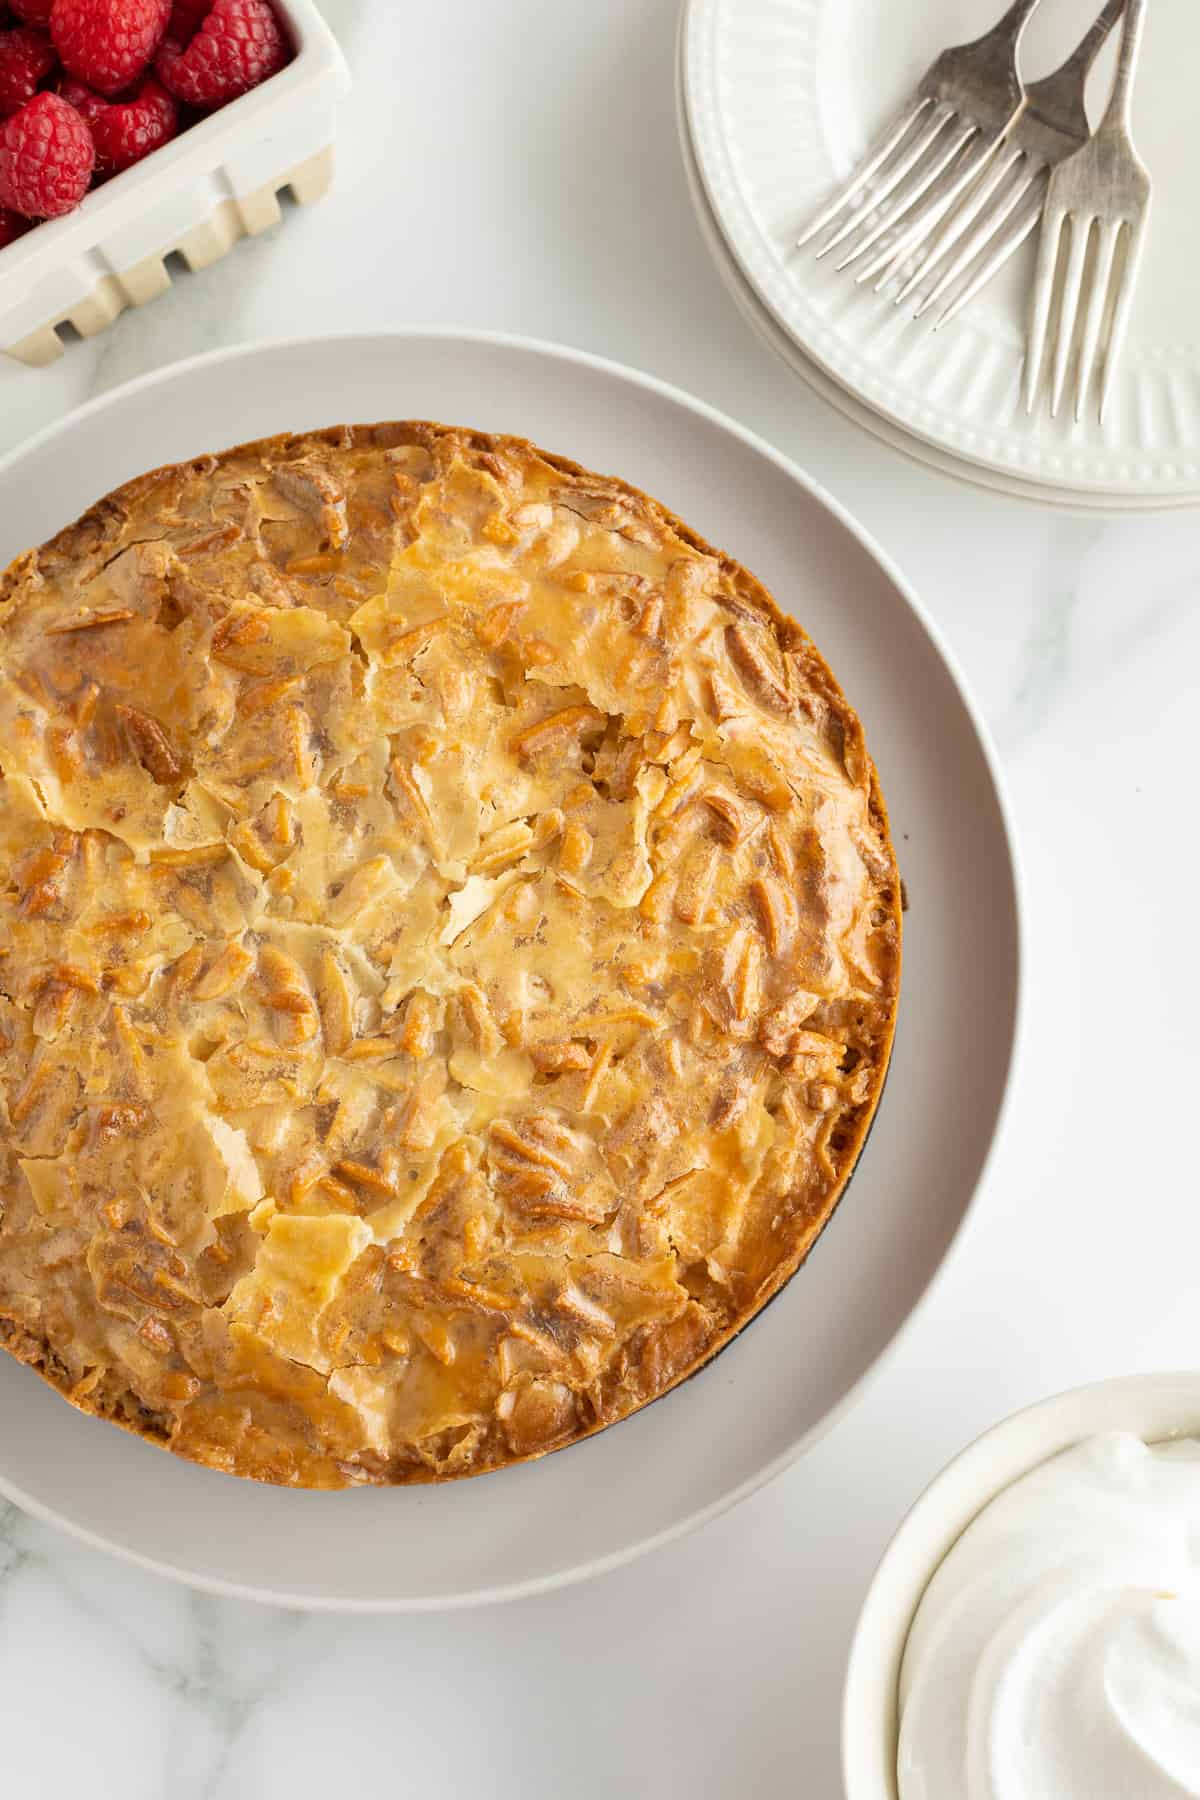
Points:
(217, 182)
(1155, 1407)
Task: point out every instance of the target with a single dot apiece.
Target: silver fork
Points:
(1102, 190)
(940, 141)
(1004, 208)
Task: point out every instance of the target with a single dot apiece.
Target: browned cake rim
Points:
(759, 603)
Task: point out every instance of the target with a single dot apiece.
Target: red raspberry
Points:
(187, 16)
(89, 106)
(238, 45)
(126, 131)
(34, 12)
(46, 158)
(26, 58)
(12, 226)
(108, 43)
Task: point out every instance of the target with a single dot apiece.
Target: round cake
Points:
(449, 954)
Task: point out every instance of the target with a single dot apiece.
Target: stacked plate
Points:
(778, 99)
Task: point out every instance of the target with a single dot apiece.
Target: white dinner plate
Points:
(916, 449)
(758, 1405)
(782, 98)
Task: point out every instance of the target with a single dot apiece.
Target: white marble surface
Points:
(515, 166)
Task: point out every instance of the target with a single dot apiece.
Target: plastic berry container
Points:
(217, 182)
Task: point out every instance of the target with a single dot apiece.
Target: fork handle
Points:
(1015, 19)
(1117, 113)
(1093, 40)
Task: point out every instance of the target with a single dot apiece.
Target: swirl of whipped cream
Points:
(1055, 1655)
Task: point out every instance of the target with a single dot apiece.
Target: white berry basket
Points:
(217, 182)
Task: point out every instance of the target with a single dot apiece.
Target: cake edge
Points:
(38, 1355)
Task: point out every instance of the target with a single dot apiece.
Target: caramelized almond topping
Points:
(448, 954)
(496, 624)
(88, 621)
(557, 730)
(151, 745)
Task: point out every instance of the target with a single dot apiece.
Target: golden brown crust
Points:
(449, 952)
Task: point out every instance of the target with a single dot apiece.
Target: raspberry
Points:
(126, 131)
(187, 16)
(26, 58)
(238, 45)
(89, 106)
(12, 226)
(46, 158)
(34, 12)
(108, 43)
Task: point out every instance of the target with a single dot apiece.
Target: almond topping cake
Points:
(449, 954)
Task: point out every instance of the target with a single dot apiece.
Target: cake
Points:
(449, 954)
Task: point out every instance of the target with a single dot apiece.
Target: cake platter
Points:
(753, 1410)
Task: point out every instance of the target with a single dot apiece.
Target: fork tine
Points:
(921, 180)
(988, 231)
(966, 216)
(1080, 227)
(1043, 294)
(1106, 250)
(1023, 223)
(1121, 311)
(949, 187)
(904, 164)
(888, 141)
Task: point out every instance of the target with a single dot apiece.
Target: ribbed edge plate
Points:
(782, 95)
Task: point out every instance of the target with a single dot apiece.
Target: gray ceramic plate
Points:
(760, 1404)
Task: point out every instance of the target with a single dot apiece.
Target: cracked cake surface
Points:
(449, 954)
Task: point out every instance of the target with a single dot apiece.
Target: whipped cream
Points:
(1055, 1654)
